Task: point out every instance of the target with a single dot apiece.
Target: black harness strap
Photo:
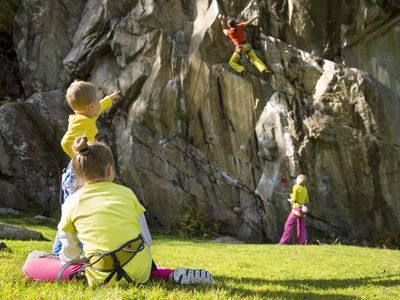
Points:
(101, 259)
(117, 269)
(83, 261)
(241, 45)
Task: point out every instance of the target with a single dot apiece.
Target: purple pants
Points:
(301, 228)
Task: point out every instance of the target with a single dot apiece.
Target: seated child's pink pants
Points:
(47, 268)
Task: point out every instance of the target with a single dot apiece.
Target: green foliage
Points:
(387, 241)
(242, 271)
(191, 223)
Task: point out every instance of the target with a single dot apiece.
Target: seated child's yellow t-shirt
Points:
(80, 125)
(104, 216)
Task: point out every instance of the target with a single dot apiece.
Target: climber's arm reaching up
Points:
(250, 21)
(222, 21)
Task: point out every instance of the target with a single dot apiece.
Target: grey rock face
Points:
(360, 33)
(372, 50)
(340, 137)
(193, 138)
(43, 36)
(10, 197)
(9, 211)
(30, 158)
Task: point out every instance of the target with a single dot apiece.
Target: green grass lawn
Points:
(240, 271)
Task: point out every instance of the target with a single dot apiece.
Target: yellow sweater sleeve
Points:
(68, 139)
(66, 224)
(105, 103)
(78, 126)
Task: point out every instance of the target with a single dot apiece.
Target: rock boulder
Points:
(196, 141)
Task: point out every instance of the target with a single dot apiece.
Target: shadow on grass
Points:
(296, 289)
(307, 288)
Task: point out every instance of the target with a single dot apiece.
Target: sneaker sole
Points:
(185, 276)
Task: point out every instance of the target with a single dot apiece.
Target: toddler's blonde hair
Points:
(80, 94)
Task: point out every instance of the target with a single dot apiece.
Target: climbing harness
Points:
(243, 45)
(303, 209)
(78, 275)
(111, 262)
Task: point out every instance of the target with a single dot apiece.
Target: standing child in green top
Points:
(299, 197)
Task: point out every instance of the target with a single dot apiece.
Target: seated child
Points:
(105, 217)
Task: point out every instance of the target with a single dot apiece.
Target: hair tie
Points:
(81, 146)
(84, 152)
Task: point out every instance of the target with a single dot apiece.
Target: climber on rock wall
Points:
(236, 33)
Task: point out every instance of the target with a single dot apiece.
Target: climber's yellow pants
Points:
(245, 49)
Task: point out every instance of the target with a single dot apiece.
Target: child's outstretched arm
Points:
(115, 96)
(109, 100)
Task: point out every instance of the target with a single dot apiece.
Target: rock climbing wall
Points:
(195, 140)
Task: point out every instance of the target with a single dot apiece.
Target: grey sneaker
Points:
(190, 276)
(38, 254)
